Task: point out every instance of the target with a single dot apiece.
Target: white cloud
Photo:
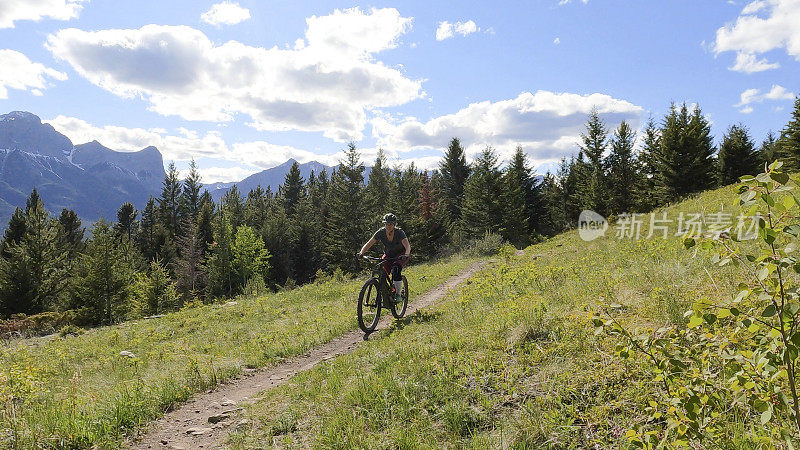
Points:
(556, 41)
(547, 124)
(18, 72)
(762, 26)
(748, 63)
(746, 110)
(15, 10)
(210, 175)
(225, 13)
(187, 145)
(564, 2)
(326, 83)
(447, 30)
(776, 93)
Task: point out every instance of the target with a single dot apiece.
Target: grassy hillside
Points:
(80, 391)
(512, 360)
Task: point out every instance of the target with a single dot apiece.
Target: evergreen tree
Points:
(346, 225)
(768, 151)
(219, 260)
(595, 143)
(155, 290)
(454, 172)
(232, 205)
(520, 185)
(104, 276)
(256, 207)
(34, 276)
(405, 203)
(737, 155)
(482, 210)
(71, 234)
(14, 232)
(623, 171)
(169, 204)
(279, 236)
(154, 240)
(647, 194)
(293, 189)
(205, 230)
(685, 160)
(577, 188)
(126, 220)
(379, 189)
(789, 142)
(188, 266)
(554, 220)
(305, 257)
(190, 195)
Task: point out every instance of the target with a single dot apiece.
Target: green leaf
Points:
(763, 178)
(791, 309)
(746, 178)
(762, 273)
(766, 416)
(723, 313)
(769, 311)
(710, 318)
(788, 202)
(695, 321)
(768, 199)
(779, 177)
(793, 229)
(688, 242)
(748, 195)
(775, 165)
(768, 234)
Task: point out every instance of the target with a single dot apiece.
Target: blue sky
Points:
(242, 86)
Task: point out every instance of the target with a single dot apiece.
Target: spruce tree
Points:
(737, 155)
(256, 207)
(554, 219)
(232, 205)
(379, 190)
(104, 277)
(219, 260)
(482, 210)
(623, 171)
(594, 145)
(126, 220)
(432, 220)
(305, 257)
(14, 232)
(520, 186)
(190, 195)
(279, 235)
(169, 204)
(250, 257)
(405, 199)
(789, 142)
(205, 229)
(293, 189)
(647, 195)
(188, 266)
(70, 236)
(768, 151)
(346, 226)
(454, 172)
(577, 188)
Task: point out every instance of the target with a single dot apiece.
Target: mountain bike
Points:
(378, 292)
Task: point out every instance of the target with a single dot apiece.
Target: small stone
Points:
(242, 424)
(227, 402)
(231, 304)
(127, 354)
(219, 417)
(164, 442)
(198, 431)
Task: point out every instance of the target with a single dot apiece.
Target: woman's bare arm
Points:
(407, 245)
(367, 246)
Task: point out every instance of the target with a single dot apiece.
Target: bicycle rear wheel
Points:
(369, 306)
(399, 308)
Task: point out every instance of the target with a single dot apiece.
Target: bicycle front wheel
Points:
(369, 306)
(399, 308)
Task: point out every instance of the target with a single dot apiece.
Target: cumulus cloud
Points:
(225, 13)
(15, 10)
(210, 175)
(776, 93)
(185, 145)
(762, 26)
(325, 83)
(547, 124)
(556, 41)
(564, 2)
(447, 30)
(18, 72)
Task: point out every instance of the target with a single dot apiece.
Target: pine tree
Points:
(685, 160)
(454, 172)
(232, 205)
(647, 195)
(190, 195)
(554, 220)
(70, 236)
(379, 190)
(219, 260)
(104, 277)
(169, 204)
(577, 188)
(205, 230)
(346, 226)
(737, 155)
(14, 232)
(305, 257)
(279, 235)
(789, 142)
(126, 220)
(482, 210)
(595, 143)
(520, 185)
(405, 199)
(188, 266)
(256, 207)
(293, 189)
(624, 171)
(154, 240)
(768, 151)
(34, 276)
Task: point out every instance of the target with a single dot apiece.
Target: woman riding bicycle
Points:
(395, 244)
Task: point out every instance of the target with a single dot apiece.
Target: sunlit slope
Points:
(510, 360)
(79, 391)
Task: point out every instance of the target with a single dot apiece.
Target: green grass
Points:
(78, 392)
(510, 360)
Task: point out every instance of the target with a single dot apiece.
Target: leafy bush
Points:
(155, 291)
(488, 245)
(735, 359)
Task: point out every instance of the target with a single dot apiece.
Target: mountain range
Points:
(90, 178)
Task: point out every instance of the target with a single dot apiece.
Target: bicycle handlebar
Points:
(374, 259)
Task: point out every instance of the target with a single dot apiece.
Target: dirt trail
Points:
(190, 426)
